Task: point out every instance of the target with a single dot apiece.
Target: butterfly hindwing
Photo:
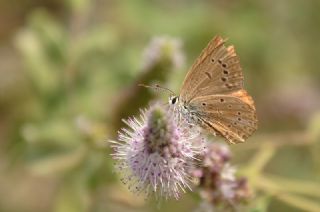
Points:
(232, 116)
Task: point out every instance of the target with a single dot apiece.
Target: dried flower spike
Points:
(155, 154)
(217, 182)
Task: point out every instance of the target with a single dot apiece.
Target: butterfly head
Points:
(173, 100)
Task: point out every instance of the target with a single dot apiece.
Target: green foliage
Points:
(78, 74)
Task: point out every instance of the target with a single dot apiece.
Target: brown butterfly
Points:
(212, 95)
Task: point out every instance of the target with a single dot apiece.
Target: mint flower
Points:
(217, 182)
(155, 153)
(163, 47)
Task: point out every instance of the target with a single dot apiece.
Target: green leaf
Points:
(259, 161)
(314, 133)
(98, 40)
(59, 131)
(261, 204)
(299, 202)
(73, 197)
(43, 47)
(59, 164)
(296, 186)
(79, 5)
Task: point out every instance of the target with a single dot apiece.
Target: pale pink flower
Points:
(155, 153)
(217, 182)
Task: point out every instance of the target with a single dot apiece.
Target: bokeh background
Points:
(69, 72)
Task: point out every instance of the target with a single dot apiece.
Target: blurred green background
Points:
(69, 72)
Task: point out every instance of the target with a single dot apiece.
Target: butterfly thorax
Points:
(183, 110)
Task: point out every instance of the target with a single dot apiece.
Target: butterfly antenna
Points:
(158, 87)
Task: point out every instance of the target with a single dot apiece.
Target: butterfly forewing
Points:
(216, 71)
(213, 92)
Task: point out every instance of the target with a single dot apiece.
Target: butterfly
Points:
(212, 94)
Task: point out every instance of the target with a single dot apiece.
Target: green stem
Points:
(258, 162)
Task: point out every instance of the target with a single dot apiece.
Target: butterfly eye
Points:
(174, 100)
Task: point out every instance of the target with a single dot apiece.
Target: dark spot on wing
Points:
(208, 75)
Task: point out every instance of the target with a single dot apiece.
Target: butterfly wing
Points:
(213, 91)
(233, 116)
(216, 71)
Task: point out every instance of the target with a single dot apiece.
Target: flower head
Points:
(217, 181)
(155, 154)
(164, 47)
